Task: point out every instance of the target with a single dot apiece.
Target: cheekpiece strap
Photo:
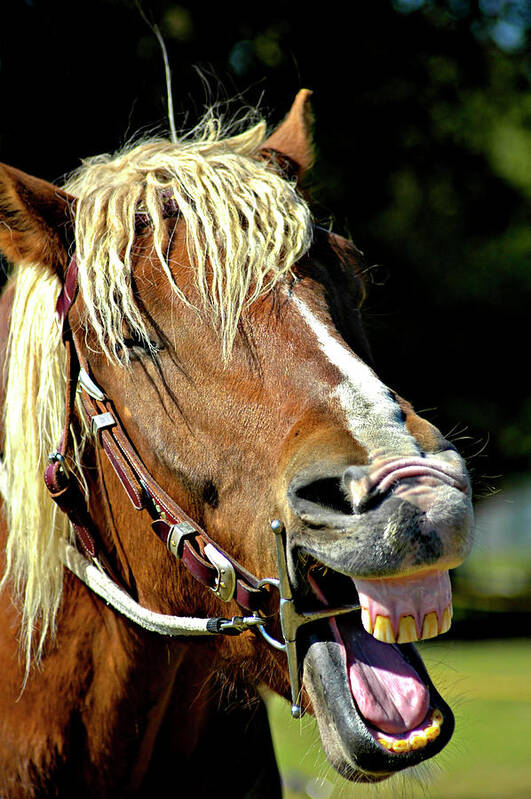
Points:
(187, 540)
(67, 295)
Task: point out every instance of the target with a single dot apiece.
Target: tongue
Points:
(388, 691)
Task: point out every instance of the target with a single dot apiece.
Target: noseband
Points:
(185, 539)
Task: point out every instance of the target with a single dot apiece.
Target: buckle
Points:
(88, 384)
(234, 626)
(100, 421)
(225, 586)
(177, 535)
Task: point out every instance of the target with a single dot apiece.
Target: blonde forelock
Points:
(246, 226)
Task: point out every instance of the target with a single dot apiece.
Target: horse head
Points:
(225, 328)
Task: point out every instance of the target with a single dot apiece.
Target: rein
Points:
(185, 539)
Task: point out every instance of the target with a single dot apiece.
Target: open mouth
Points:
(377, 709)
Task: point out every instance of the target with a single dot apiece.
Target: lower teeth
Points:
(414, 740)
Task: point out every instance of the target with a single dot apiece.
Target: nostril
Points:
(327, 492)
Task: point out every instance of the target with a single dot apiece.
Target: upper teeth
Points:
(407, 631)
(403, 609)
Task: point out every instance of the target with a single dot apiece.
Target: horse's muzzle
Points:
(394, 517)
(385, 535)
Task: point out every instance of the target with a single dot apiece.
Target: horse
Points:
(206, 488)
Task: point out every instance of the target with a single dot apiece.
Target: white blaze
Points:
(373, 417)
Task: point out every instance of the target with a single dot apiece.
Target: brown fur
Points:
(113, 710)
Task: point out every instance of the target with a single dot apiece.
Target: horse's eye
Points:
(139, 347)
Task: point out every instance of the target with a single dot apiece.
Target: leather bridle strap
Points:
(183, 536)
(187, 540)
(63, 486)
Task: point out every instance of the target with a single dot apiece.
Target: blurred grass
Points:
(488, 686)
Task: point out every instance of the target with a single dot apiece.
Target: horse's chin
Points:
(357, 749)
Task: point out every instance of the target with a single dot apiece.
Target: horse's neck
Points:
(99, 698)
(116, 708)
(123, 712)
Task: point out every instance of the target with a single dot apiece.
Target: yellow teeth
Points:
(415, 740)
(430, 625)
(366, 619)
(446, 620)
(400, 745)
(437, 718)
(407, 627)
(384, 740)
(432, 733)
(383, 630)
(407, 630)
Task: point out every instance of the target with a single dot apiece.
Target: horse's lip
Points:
(350, 745)
(360, 488)
(397, 473)
(436, 535)
(374, 507)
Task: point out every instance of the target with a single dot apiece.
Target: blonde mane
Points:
(246, 226)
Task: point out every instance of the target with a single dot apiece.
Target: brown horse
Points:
(231, 480)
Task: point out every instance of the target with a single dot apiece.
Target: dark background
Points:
(423, 115)
(423, 132)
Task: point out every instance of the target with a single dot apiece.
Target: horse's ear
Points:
(36, 220)
(293, 137)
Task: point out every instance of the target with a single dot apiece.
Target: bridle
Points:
(185, 539)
